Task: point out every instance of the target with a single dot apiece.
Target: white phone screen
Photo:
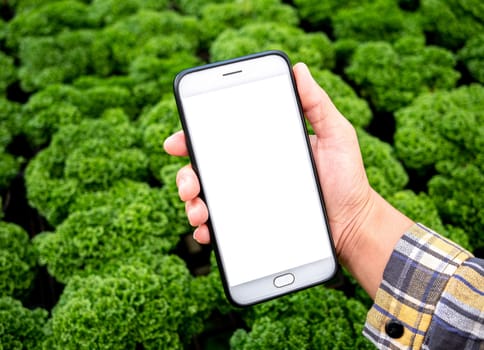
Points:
(255, 170)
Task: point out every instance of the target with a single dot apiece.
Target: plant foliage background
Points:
(95, 249)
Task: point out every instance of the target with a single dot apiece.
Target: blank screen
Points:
(251, 153)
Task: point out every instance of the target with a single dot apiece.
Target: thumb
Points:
(317, 106)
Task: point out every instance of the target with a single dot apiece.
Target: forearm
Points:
(380, 228)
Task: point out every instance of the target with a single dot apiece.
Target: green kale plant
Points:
(47, 60)
(194, 7)
(443, 132)
(458, 193)
(116, 46)
(21, 328)
(422, 208)
(444, 125)
(106, 12)
(385, 172)
(391, 76)
(145, 72)
(317, 318)
(314, 49)
(9, 168)
(3, 27)
(344, 49)
(92, 81)
(89, 156)
(8, 73)
(10, 121)
(210, 289)
(319, 13)
(173, 208)
(217, 17)
(472, 54)
(381, 20)
(354, 108)
(20, 6)
(133, 303)
(10, 124)
(128, 219)
(61, 105)
(156, 124)
(450, 23)
(49, 109)
(47, 18)
(147, 77)
(17, 261)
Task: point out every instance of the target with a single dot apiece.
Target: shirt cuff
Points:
(413, 281)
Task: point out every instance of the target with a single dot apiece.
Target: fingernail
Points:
(195, 235)
(180, 187)
(167, 140)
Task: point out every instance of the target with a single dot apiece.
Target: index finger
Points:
(176, 144)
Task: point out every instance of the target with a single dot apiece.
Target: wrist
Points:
(375, 232)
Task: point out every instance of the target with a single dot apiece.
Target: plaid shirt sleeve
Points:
(431, 296)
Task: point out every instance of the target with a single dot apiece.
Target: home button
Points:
(284, 280)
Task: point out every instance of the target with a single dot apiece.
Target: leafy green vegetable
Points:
(92, 85)
(441, 126)
(145, 72)
(48, 18)
(10, 121)
(137, 302)
(54, 59)
(118, 44)
(444, 132)
(156, 124)
(319, 13)
(385, 172)
(451, 22)
(218, 17)
(317, 318)
(9, 168)
(17, 261)
(473, 56)
(105, 12)
(194, 7)
(422, 208)
(312, 48)
(373, 21)
(8, 74)
(391, 76)
(354, 108)
(126, 220)
(60, 105)
(21, 328)
(457, 193)
(89, 156)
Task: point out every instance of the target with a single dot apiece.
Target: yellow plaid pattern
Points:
(432, 288)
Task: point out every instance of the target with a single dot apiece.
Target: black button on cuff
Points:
(394, 329)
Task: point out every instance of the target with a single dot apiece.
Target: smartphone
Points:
(249, 146)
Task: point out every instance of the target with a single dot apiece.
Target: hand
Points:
(354, 210)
